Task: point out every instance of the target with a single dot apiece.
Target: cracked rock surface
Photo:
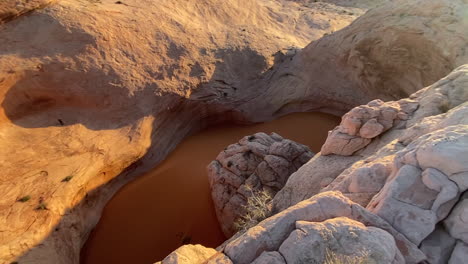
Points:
(327, 221)
(258, 162)
(414, 175)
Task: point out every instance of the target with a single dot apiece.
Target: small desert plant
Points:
(68, 178)
(42, 206)
(257, 209)
(24, 199)
(334, 258)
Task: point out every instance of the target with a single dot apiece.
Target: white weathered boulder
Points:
(419, 192)
(363, 123)
(310, 242)
(411, 175)
(258, 163)
(189, 254)
(270, 234)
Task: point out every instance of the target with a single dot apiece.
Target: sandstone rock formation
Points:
(456, 223)
(258, 163)
(383, 54)
(328, 220)
(195, 254)
(189, 254)
(364, 174)
(94, 91)
(12, 9)
(342, 235)
(411, 179)
(412, 175)
(364, 123)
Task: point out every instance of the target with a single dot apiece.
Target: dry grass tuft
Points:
(334, 258)
(257, 209)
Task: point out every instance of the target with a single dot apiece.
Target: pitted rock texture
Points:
(412, 175)
(363, 123)
(310, 242)
(97, 90)
(299, 233)
(420, 191)
(363, 175)
(258, 162)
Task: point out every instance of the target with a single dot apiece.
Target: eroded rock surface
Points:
(420, 192)
(409, 183)
(256, 163)
(322, 221)
(10, 9)
(189, 254)
(342, 236)
(363, 175)
(93, 91)
(363, 123)
(413, 175)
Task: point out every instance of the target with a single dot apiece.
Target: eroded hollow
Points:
(171, 205)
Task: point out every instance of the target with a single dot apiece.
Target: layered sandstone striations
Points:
(92, 90)
(89, 88)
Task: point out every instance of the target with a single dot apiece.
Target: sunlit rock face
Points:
(11, 9)
(406, 187)
(92, 90)
(413, 175)
(320, 224)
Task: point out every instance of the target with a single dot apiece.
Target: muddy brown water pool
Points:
(171, 205)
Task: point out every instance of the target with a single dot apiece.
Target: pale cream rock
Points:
(189, 254)
(270, 234)
(310, 241)
(107, 91)
(258, 163)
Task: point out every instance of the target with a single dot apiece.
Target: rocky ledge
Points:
(94, 94)
(258, 166)
(397, 196)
